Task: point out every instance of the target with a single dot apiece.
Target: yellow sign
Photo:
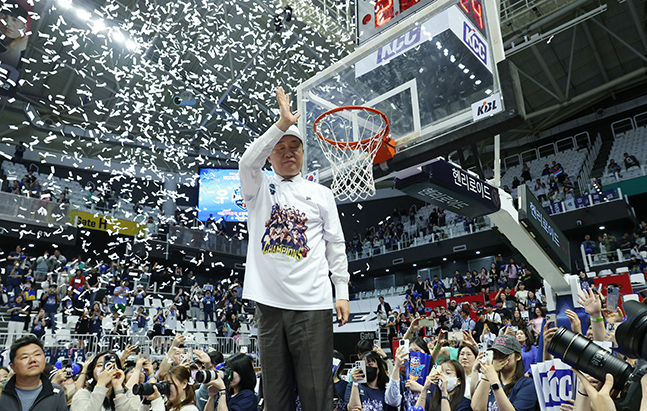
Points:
(109, 224)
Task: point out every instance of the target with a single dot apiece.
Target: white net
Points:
(349, 139)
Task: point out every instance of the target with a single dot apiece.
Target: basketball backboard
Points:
(425, 74)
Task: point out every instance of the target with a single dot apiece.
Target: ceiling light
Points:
(602, 227)
(444, 258)
(478, 252)
(117, 35)
(387, 270)
(65, 4)
(415, 265)
(83, 14)
(98, 25)
(131, 45)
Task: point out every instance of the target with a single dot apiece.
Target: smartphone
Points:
(405, 344)
(455, 336)
(108, 360)
(489, 355)
(336, 362)
(611, 327)
(376, 343)
(361, 364)
(552, 318)
(482, 347)
(436, 369)
(426, 323)
(515, 328)
(613, 297)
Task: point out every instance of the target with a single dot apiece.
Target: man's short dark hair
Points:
(466, 312)
(23, 342)
(216, 357)
(489, 305)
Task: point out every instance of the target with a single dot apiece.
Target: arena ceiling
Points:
(113, 69)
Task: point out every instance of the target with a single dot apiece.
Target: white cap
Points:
(293, 131)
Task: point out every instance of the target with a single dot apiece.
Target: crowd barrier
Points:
(225, 345)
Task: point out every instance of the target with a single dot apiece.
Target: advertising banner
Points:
(109, 224)
(554, 381)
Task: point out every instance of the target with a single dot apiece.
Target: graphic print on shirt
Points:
(284, 236)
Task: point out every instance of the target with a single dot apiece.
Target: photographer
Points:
(180, 396)
(209, 362)
(105, 390)
(503, 386)
(237, 394)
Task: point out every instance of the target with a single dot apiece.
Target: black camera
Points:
(164, 388)
(206, 376)
(584, 355)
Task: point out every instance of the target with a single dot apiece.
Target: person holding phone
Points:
(239, 394)
(369, 395)
(449, 389)
(504, 386)
(106, 390)
(400, 390)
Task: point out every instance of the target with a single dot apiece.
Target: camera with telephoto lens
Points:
(206, 376)
(147, 388)
(584, 355)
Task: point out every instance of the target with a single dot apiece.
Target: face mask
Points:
(452, 382)
(371, 373)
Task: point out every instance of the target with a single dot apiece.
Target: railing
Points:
(622, 126)
(633, 172)
(445, 233)
(548, 150)
(604, 257)
(33, 210)
(640, 120)
(6, 339)
(186, 237)
(227, 346)
(584, 175)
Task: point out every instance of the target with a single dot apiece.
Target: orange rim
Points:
(381, 136)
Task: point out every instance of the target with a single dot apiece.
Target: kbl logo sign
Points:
(557, 387)
(486, 107)
(474, 42)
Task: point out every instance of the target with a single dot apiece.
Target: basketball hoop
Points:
(353, 138)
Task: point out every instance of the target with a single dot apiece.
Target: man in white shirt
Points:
(491, 316)
(295, 241)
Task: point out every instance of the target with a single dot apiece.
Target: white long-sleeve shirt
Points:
(295, 236)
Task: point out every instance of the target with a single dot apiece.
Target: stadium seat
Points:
(621, 270)
(637, 278)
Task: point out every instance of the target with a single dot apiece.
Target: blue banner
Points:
(417, 368)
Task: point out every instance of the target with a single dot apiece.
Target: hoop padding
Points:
(350, 137)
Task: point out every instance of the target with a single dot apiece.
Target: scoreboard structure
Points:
(434, 67)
